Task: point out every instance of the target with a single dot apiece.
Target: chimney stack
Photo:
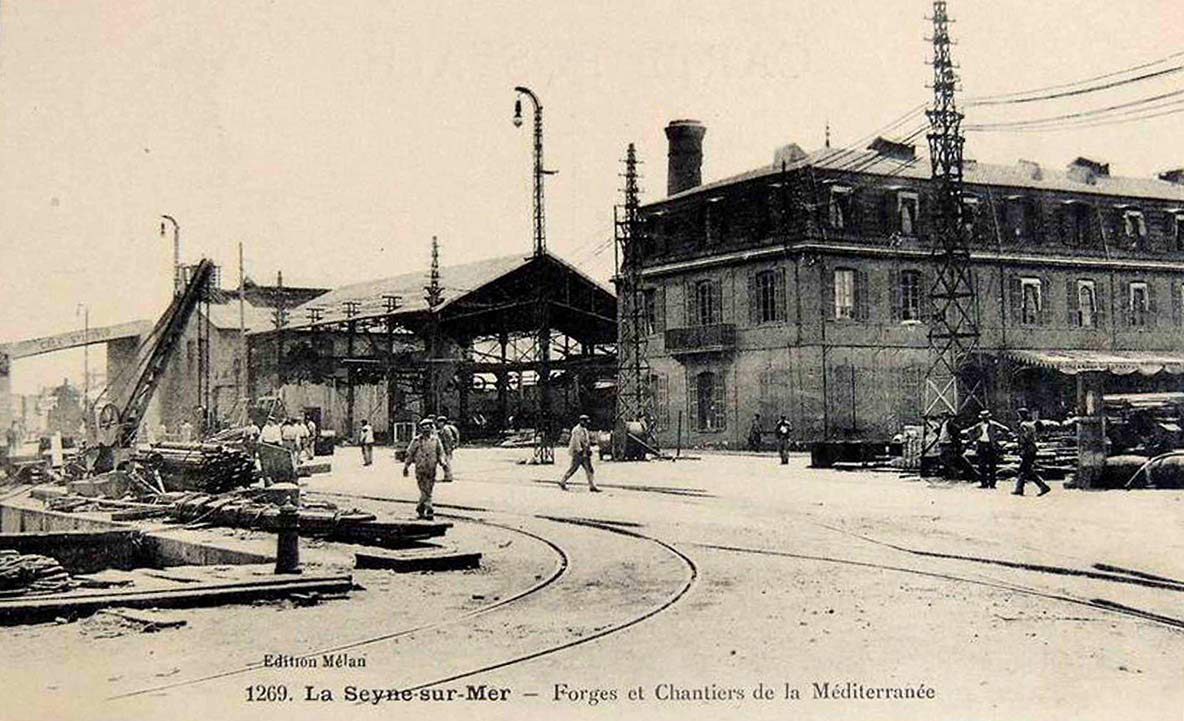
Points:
(685, 158)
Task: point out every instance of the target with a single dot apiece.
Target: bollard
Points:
(287, 544)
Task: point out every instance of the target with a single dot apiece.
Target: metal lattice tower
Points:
(433, 293)
(635, 400)
(953, 331)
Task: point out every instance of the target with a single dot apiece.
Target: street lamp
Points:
(540, 231)
(176, 250)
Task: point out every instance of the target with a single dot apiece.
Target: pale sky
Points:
(335, 138)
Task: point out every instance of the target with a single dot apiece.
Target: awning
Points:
(1118, 362)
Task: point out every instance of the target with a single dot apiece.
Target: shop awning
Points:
(1118, 362)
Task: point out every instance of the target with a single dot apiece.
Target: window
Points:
(767, 297)
(1139, 303)
(1135, 227)
(1032, 301)
(840, 207)
(649, 311)
(844, 294)
(1178, 230)
(1087, 304)
(1079, 223)
(906, 210)
(969, 213)
(1017, 217)
(706, 308)
(716, 216)
(707, 401)
(910, 295)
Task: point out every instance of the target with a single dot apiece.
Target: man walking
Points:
(581, 454)
(987, 435)
(425, 452)
(782, 431)
(366, 441)
(449, 439)
(1028, 432)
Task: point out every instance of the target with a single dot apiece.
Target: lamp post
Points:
(540, 226)
(176, 250)
(543, 450)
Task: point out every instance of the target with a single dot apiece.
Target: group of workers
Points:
(781, 432)
(988, 435)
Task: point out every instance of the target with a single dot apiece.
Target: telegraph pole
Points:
(954, 329)
(635, 401)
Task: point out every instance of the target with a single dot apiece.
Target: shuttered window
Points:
(707, 400)
(1081, 302)
(766, 296)
(910, 295)
(1139, 304)
(704, 303)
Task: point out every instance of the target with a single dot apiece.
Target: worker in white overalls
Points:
(425, 452)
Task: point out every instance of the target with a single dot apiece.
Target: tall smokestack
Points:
(685, 159)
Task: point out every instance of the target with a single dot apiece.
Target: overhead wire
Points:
(1071, 89)
(1077, 115)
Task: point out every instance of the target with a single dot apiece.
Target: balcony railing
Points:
(716, 338)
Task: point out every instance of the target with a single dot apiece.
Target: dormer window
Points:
(840, 207)
(907, 204)
(1135, 226)
(969, 212)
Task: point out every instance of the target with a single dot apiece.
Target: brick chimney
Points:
(685, 158)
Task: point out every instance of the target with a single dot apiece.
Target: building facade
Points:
(802, 288)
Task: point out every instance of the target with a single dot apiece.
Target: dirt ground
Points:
(724, 585)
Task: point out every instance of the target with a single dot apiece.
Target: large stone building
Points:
(802, 287)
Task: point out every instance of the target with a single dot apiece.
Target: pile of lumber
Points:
(351, 526)
(205, 467)
(31, 573)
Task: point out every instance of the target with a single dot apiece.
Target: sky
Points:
(335, 139)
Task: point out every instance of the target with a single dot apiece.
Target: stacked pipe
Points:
(207, 467)
(31, 573)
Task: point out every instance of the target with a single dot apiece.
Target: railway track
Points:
(562, 565)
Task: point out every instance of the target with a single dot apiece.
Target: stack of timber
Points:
(331, 524)
(205, 467)
(30, 573)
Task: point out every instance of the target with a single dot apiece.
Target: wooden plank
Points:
(47, 608)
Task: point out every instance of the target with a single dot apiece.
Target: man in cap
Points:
(450, 439)
(425, 452)
(987, 435)
(1029, 430)
(581, 454)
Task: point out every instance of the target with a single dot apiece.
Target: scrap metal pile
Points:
(207, 467)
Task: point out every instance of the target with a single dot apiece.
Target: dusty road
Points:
(727, 585)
